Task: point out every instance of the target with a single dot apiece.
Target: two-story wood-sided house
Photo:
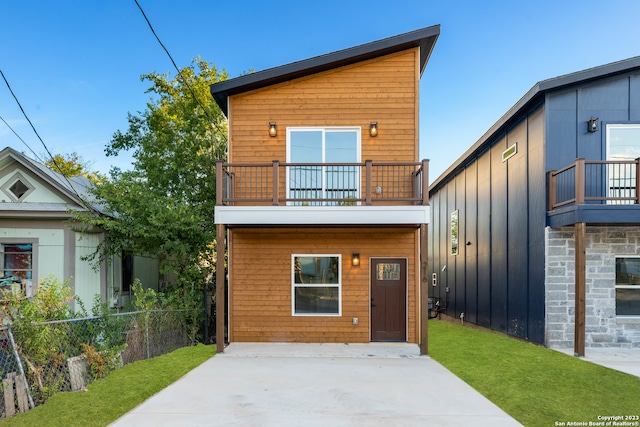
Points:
(323, 198)
(536, 228)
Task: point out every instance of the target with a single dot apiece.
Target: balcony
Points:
(594, 191)
(328, 193)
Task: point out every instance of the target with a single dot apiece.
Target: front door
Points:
(389, 299)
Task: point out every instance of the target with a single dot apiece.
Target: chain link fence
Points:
(40, 360)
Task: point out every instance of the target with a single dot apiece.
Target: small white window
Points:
(316, 285)
(454, 232)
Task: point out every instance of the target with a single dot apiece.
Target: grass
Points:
(535, 385)
(105, 401)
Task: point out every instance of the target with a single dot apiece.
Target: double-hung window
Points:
(323, 174)
(628, 286)
(316, 282)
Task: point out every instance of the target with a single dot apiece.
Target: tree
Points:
(164, 205)
(71, 165)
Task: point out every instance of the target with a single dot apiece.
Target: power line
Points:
(53, 160)
(22, 140)
(184, 80)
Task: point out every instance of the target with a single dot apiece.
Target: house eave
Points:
(278, 216)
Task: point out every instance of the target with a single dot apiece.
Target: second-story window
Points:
(324, 173)
(623, 144)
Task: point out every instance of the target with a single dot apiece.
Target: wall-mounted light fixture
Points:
(355, 259)
(273, 129)
(373, 129)
(592, 125)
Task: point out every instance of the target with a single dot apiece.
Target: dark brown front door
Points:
(389, 299)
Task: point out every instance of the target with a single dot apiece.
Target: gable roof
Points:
(535, 96)
(424, 38)
(76, 189)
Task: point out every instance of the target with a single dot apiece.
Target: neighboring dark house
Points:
(557, 172)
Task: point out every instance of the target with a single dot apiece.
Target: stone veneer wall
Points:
(603, 328)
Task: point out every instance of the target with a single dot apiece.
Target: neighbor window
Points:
(623, 143)
(314, 147)
(17, 265)
(454, 232)
(316, 285)
(628, 286)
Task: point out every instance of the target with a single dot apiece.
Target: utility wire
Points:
(22, 140)
(53, 160)
(184, 80)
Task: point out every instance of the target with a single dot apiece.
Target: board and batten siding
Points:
(497, 277)
(260, 287)
(383, 90)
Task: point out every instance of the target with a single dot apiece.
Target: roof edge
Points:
(532, 97)
(424, 38)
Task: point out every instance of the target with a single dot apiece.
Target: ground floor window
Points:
(316, 284)
(628, 286)
(17, 260)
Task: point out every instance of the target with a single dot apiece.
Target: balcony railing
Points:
(322, 184)
(612, 182)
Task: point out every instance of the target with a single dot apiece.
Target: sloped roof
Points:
(534, 96)
(76, 189)
(424, 38)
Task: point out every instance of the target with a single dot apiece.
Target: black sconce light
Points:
(592, 125)
(355, 259)
(373, 129)
(273, 129)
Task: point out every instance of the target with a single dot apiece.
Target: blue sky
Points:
(75, 65)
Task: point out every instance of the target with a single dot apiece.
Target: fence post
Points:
(580, 181)
(425, 182)
(637, 201)
(367, 182)
(276, 181)
(17, 356)
(551, 180)
(219, 182)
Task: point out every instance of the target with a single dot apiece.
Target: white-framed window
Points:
(316, 284)
(316, 146)
(628, 285)
(623, 143)
(18, 263)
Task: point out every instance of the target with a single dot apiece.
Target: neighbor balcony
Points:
(594, 191)
(322, 193)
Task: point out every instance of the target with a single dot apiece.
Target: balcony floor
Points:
(594, 214)
(397, 215)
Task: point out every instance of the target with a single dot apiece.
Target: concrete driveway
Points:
(318, 385)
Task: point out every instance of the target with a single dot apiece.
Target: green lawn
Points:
(535, 385)
(124, 389)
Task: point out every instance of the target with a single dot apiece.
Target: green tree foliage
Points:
(164, 205)
(71, 165)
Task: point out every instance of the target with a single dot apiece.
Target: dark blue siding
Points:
(561, 123)
(460, 258)
(470, 243)
(537, 212)
(517, 233)
(499, 258)
(451, 259)
(484, 239)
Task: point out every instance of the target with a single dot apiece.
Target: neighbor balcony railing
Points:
(612, 182)
(322, 184)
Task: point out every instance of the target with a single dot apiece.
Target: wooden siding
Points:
(260, 282)
(497, 279)
(384, 90)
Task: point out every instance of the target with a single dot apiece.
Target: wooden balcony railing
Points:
(612, 182)
(324, 184)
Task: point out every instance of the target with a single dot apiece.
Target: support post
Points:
(367, 182)
(424, 290)
(580, 289)
(425, 182)
(220, 279)
(276, 182)
(580, 181)
(219, 182)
